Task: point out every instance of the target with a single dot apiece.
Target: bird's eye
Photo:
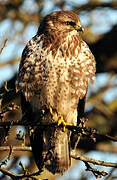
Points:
(71, 23)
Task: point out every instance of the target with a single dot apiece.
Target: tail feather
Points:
(51, 148)
(60, 154)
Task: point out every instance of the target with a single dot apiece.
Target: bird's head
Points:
(60, 21)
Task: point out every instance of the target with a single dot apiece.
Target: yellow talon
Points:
(51, 111)
(69, 124)
(54, 114)
(63, 123)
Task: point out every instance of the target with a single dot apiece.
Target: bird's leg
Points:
(52, 112)
(62, 123)
(60, 120)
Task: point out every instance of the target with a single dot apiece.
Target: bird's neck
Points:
(60, 37)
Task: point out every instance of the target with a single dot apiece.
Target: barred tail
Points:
(51, 149)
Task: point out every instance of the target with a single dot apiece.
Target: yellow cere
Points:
(79, 25)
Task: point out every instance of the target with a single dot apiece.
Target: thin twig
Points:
(4, 162)
(98, 174)
(18, 176)
(4, 45)
(12, 62)
(23, 167)
(93, 161)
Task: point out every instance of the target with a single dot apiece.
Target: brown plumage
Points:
(55, 71)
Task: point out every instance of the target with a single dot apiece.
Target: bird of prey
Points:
(55, 70)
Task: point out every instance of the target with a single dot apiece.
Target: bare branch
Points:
(18, 176)
(98, 174)
(86, 131)
(74, 155)
(4, 45)
(16, 148)
(93, 161)
(95, 4)
(12, 62)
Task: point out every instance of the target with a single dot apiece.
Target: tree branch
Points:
(4, 45)
(74, 155)
(93, 161)
(18, 176)
(16, 148)
(95, 4)
(86, 131)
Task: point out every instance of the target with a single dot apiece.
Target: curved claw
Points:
(62, 123)
(51, 111)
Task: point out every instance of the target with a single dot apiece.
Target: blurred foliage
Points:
(19, 20)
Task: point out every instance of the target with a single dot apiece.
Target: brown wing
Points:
(87, 68)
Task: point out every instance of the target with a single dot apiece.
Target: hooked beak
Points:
(78, 27)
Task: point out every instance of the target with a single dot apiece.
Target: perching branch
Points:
(86, 131)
